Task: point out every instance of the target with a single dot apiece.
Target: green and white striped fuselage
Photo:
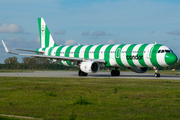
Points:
(116, 55)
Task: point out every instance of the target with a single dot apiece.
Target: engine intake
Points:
(89, 67)
(139, 69)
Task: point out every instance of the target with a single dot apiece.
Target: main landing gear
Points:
(81, 73)
(115, 72)
(156, 74)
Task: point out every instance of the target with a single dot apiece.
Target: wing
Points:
(39, 52)
(58, 58)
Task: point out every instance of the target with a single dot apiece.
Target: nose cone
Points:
(171, 58)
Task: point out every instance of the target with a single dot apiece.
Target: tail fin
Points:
(46, 39)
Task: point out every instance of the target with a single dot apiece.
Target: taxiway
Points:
(131, 75)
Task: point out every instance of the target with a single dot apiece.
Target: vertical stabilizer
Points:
(46, 39)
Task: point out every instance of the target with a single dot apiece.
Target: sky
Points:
(83, 22)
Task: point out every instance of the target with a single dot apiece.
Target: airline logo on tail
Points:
(89, 58)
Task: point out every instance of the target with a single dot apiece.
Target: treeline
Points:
(30, 63)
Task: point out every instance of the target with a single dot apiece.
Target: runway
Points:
(131, 75)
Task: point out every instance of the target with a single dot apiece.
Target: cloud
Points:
(62, 32)
(85, 33)
(99, 33)
(70, 42)
(153, 32)
(111, 41)
(96, 33)
(174, 32)
(11, 28)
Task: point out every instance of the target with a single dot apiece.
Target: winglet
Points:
(5, 47)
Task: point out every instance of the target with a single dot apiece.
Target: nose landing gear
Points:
(156, 74)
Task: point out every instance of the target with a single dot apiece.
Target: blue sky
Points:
(90, 22)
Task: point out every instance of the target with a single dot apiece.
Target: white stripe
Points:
(51, 41)
(123, 55)
(53, 53)
(72, 51)
(101, 54)
(43, 24)
(91, 54)
(62, 52)
(112, 56)
(82, 50)
(146, 55)
(40, 49)
(46, 51)
(136, 61)
(64, 63)
(161, 56)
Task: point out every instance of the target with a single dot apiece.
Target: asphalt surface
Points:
(96, 75)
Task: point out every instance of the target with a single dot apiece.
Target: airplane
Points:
(89, 58)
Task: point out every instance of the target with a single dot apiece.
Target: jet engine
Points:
(139, 69)
(89, 66)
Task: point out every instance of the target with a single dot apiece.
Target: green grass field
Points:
(89, 98)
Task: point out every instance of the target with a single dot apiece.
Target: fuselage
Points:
(117, 55)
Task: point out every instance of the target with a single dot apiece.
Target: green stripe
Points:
(141, 61)
(69, 63)
(61, 63)
(39, 23)
(37, 50)
(118, 60)
(67, 52)
(97, 52)
(59, 50)
(43, 49)
(129, 53)
(50, 50)
(47, 34)
(153, 55)
(55, 45)
(86, 54)
(76, 53)
(107, 55)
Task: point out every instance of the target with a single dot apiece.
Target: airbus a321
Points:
(89, 58)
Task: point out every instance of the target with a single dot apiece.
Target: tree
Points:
(11, 63)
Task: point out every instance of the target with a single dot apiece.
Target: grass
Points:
(89, 98)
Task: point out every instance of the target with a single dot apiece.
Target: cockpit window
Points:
(168, 51)
(171, 51)
(165, 51)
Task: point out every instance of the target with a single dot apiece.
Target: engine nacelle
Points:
(89, 67)
(139, 69)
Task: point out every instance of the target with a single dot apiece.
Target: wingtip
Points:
(6, 49)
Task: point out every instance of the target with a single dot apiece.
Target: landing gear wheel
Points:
(81, 73)
(115, 73)
(157, 75)
(156, 72)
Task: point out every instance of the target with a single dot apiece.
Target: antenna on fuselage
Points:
(155, 42)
